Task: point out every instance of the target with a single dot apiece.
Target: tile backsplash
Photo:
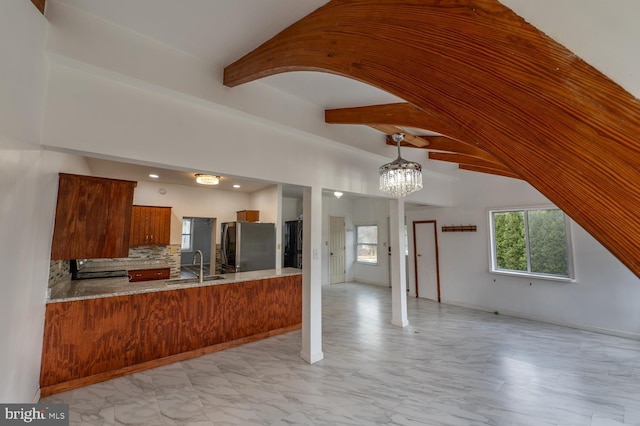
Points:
(58, 271)
(139, 258)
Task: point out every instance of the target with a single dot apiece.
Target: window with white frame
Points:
(367, 244)
(532, 242)
(187, 234)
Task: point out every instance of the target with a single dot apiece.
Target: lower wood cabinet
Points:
(149, 274)
(92, 340)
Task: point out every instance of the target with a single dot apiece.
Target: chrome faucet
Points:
(200, 276)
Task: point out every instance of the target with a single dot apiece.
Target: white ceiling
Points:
(141, 172)
(222, 31)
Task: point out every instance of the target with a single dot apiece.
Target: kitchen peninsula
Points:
(103, 329)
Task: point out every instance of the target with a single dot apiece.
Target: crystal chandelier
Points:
(400, 177)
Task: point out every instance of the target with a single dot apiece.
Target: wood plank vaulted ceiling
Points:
(507, 99)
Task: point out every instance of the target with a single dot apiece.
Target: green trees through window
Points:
(533, 241)
(510, 247)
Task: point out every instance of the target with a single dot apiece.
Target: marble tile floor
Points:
(450, 366)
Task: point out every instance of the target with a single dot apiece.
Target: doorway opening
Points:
(198, 233)
(427, 268)
(337, 262)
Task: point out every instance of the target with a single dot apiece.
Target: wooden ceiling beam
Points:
(487, 170)
(492, 78)
(409, 138)
(410, 116)
(401, 114)
(466, 159)
(443, 143)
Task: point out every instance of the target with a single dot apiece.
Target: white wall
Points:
(179, 114)
(291, 208)
(343, 207)
(372, 211)
(191, 201)
(603, 298)
(266, 202)
(22, 70)
(147, 126)
(28, 183)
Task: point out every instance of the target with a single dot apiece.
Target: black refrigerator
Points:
(293, 244)
(247, 246)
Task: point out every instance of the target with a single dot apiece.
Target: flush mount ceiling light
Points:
(338, 194)
(400, 177)
(207, 179)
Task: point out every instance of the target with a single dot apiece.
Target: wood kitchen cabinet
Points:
(248, 216)
(137, 275)
(150, 226)
(96, 339)
(93, 217)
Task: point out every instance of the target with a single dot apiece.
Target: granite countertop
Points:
(120, 286)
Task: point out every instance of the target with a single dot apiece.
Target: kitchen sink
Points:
(193, 280)
(212, 277)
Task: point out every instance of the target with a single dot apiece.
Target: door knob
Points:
(331, 254)
(419, 255)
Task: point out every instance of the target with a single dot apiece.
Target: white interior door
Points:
(425, 241)
(336, 249)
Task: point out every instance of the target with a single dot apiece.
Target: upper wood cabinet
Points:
(93, 217)
(248, 216)
(150, 226)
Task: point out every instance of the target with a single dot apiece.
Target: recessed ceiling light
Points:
(152, 175)
(236, 186)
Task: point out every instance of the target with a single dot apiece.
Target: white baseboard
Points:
(578, 326)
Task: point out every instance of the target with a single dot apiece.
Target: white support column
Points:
(311, 275)
(398, 267)
(279, 229)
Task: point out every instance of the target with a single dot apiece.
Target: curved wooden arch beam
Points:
(550, 117)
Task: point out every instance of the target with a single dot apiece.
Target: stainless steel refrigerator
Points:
(247, 246)
(293, 244)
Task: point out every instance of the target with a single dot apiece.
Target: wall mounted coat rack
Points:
(460, 228)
